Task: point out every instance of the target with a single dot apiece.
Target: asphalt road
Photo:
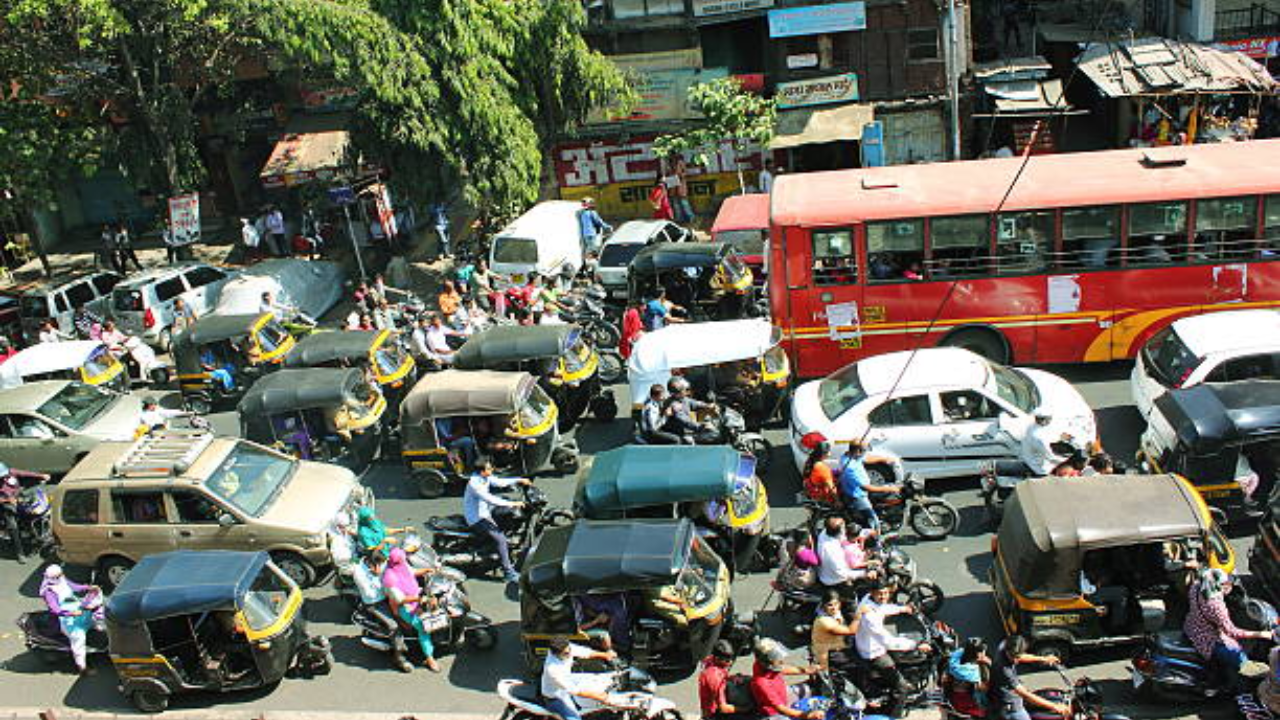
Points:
(364, 681)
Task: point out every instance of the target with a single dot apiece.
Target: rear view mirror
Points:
(226, 520)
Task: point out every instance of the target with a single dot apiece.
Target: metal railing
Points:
(1257, 19)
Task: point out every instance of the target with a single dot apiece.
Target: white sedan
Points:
(947, 414)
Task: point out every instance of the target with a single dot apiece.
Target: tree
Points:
(731, 114)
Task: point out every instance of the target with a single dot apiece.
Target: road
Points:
(364, 681)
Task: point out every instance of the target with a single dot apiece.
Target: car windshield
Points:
(76, 405)
(534, 411)
(746, 242)
(1168, 358)
(1015, 388)
(33, 306)
(123, 300)
(266, 599)
(840, 391)
(619, 254)
(515, 250)
(697, 581)
(251, 478)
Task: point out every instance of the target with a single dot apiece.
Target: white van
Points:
(546, 240)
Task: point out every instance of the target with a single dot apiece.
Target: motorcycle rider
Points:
(653, 419)
(478, 506)
(1007, 695)
(560, 684)
(713, 683)
(830, 634)
(876, 644)
(775, 699)
(1210, 629)
(855, 486)
(1036, 456)
(681, 405)
(834, 570)
(10, 491)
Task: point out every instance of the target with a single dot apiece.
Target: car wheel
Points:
(300, 571)
(934, 519)
(881, 474)
(987, 343)
(150, 700)
(1057, 648)
(112, 571)
(481, 638)
(159, 376)
(431, 483)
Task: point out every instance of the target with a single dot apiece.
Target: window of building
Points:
(895, 250)
(1225, 228)
(1023, 241)
(1157, 233)
(922, 44)
(959, 246)
(623, 9)
(834, 262)
(1089, 235)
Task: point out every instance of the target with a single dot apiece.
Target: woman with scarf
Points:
(372, 534)
(77, 607)
(404, 593)
(1209, 627)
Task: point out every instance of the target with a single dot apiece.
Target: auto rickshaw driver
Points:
(230, 657)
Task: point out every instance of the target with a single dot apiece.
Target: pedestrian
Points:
(124, 249)
(766, 179)
(660, 200)
(170, 243)
(440, 223)
(107, 252)
(682, 207)
(591, 226)
(251, 239)
(275, 231)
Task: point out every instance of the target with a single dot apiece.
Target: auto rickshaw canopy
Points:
(685, 345)
(668, 255)
(184, 582)
(208, 330)
(466, 393)
(597, 556)
(1211, 416)
(53, 357)
(294, 389)
(1049, 523)
(326, 347)
(636, 476)
(515, 343)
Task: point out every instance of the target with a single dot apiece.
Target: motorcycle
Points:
(921, 669)
(33, 521)
(931, 517)
(587, 312)
(1083, 697)
(631, 696)
(459, 547)
(999, 478)
(42, 634)
(727, 426)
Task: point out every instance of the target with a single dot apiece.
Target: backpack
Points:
(737, 692)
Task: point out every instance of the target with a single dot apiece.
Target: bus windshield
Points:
(1168, 358)
(840, 391)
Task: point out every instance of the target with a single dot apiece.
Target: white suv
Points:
(142, 304)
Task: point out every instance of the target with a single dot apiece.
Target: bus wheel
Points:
(987, 343)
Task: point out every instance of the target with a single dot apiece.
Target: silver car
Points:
(48, 426)
(625, 242)
(57, 300)
(142, 304)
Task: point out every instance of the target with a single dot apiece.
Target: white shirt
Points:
(367, 584)
(479, 501)
(157, 417)
(437, 343)
(50, 336)
(249, 235)
(833, 563)
(873, 638)
(558, 679)
(1037, 450)
(418, 343)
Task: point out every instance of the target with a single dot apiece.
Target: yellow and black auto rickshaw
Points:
(708, 279)
(210, 621)
(451, 418)
(220, 356)
(1097, 561)
(558, 355)
(380, 351)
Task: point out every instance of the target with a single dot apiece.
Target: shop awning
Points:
(1159, 66)
(1028, 97)
(812, 126)
(300, 158)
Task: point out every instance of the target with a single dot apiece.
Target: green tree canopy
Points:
(730, 113)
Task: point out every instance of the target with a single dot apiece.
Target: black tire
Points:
(987, 343)
(300, 571)
(431, 483)
(934, 519)
(604, 408)
(198, 404)
(927, 596)
(111, 571)
(881, 474)
(611, 369)
(565, 462)
(604, 335)
(558, 518)
(481, 638)
(150, 700)
(669, 715)
(1060, 649)
(159, 377)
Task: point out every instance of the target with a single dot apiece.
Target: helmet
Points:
(677, 385)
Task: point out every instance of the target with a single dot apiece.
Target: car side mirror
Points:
(226, 520)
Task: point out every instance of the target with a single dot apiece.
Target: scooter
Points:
(631, 695)
(998, 480)
(34, 526)
(460, 548)
(42, 633)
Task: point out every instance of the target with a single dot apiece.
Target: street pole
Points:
(355, 248)
(953, 79)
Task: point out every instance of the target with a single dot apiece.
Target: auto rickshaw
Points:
(709, 280)
(243, 346)
(714, 485)
(326, 414)
(558, 355)
(504, 416)
(378, 350)
(671, 586)
(209, 621)
(1096, 561)
(88, 361)
(1264, 556)
(741, 361)
(1221, 437)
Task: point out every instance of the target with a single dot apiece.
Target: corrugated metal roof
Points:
(1159, 66)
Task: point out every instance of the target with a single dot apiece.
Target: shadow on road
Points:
(481, 669)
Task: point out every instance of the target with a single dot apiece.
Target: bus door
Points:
(823, 308)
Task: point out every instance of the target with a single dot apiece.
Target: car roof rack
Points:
(168, 454)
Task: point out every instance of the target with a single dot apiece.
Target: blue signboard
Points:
(817, 19)
(872, 144)
(342, 196)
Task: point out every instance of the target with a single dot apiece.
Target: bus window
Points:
(1023, 241)
(895, 250)
(1271, 224)
(1088, 236)
(959, 246)
(833, 260)
(1157, 233)
(1225, 228)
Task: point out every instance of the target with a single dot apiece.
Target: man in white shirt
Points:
(560, 684)
(478, 503)
(875, 642)
(833, 562)
(1037, 446)
(154, 417)
(437, 341)
(249, 236)
(275, 228)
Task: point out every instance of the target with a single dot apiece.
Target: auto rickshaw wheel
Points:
(431, 483)
(198, 404)
(565, 461)
(159, 376)
(300, 571)
(481, 638)
(604, 408)
(150, 700)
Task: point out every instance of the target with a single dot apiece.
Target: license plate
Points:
(435, 621)
(1138, 678)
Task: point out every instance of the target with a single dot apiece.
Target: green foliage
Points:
(729, 113)
(43, 145)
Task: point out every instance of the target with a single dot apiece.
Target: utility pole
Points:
(953, 76)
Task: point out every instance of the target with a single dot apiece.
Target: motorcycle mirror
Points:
(226, 520)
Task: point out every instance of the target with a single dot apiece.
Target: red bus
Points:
(1090, 254)
(743, 222)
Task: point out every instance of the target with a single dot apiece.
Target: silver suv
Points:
(142, 304)
(57, 300)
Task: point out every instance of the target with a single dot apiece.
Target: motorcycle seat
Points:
(1175, 644)
(448, 523)
(527, 692)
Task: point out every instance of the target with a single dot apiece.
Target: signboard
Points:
(342, 196)
(386, 216)
(664, 94)
(818, 19)
(1259, 48)
(818, 91)
(703, 8)
(804, 60)
(184, 218)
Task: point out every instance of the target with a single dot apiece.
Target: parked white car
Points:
(951, 411)
(624, 243)
(1214, 347)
